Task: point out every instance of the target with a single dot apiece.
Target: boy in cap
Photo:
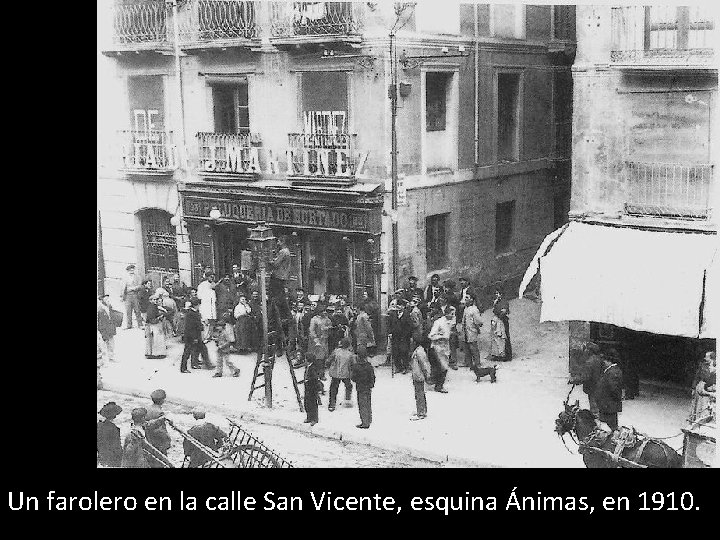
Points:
(109, 450)
(420, 368)
(156, 430)
(412, 290)
(224, 339)
(207, 434)
(133, 455)
(341, 362)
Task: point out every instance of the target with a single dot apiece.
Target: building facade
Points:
(636, 269)
(230, 112)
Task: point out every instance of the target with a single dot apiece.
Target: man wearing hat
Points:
(411, 289)
(109, 450)
(608, 393)
(156, 431)
(312, 387)
(106, 326)
(319, 335)
(207, 434)
(400, 326)
(363, 375)
(192, 337)
(131, 296)
(431, 293)
(133, 455)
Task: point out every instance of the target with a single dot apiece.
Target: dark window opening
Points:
(436, 242)
(504, 220)
(160, 242)
(436, 90)
(231, 109)
(508, 117)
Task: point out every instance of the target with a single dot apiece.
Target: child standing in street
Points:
(224, 339)
(420, 368)
(341, 362)
(312, 387)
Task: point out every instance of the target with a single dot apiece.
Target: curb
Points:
(323, 432)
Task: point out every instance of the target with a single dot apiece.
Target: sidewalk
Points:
(507, 424)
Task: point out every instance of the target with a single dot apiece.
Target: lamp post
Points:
(262, 241)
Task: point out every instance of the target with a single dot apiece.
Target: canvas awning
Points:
(644, 280)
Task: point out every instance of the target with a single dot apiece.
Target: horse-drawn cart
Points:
(240, 449)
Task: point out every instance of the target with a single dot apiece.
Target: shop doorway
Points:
(329, 265)
(232, 241)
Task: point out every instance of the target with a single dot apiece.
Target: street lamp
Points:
(262, 241)
(215, 213)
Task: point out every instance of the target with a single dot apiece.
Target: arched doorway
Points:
(159, 244)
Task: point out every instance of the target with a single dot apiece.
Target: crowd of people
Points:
(429, 329)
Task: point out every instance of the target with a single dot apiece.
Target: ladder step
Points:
(258, 387)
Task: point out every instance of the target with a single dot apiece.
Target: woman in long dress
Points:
(244, 327)
(169, 305)
(498, 340)
(155, 346)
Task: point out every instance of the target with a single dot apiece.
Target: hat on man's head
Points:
(110, 410)
(450, 284)
(412, 278)
(138, 414)
(400, 291)
(158, 394)
(130, 267)
(463, 278)
(330, 308)
(198, 413)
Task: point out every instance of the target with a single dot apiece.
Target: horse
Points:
(589, 434)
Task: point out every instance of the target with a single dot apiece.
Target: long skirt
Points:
(245, 333)
(155, 340)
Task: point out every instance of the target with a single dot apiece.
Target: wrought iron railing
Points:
(676, 35)
(226, 152)
(148, 150)
(322, 155)
(312, 19)
(668, 189)
(140, 21)
(210, 20)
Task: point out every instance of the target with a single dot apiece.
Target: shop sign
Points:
(284, 214)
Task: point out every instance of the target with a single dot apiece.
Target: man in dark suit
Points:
(609, 390)
(411, 289)
(400, 326)
(430, 294)
(592, 371)
(363, 375)
(207, 434)
(192, 337)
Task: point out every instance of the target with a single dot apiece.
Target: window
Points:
(508, 117)
(436, 243)
(563, 22)
(507, 21)
(160, 242)
(231, 109)
(504, 220)
(147, 110)
(436, 90)
(677, 27)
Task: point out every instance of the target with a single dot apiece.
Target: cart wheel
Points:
(250, 456)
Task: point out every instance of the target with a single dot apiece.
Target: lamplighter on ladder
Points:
(262, 241)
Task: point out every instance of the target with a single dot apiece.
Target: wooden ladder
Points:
(257, 373)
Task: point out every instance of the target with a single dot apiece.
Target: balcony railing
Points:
(228, 154)
(140, 21)
(218, 20)
(289, 19)
(148, 151)
(668, 189)
(322, 156)
(662, 35)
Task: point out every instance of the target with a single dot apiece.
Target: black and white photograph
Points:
(430, 234)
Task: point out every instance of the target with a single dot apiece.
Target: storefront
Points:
(647, 293)
(334, 235)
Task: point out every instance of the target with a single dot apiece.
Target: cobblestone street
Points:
(301, 449)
